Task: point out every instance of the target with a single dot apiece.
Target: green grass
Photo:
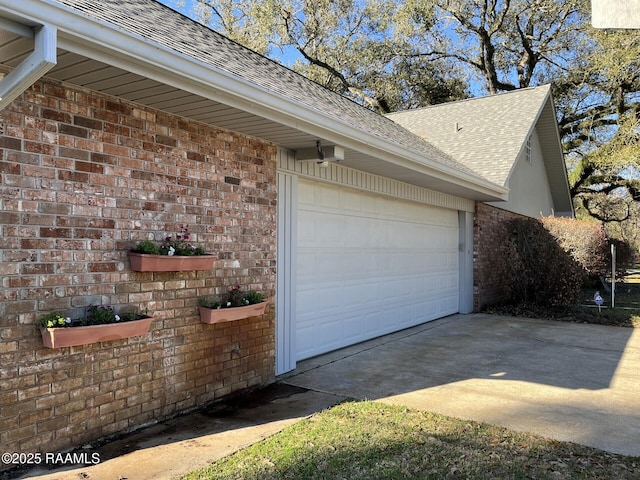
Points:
(369, 440)
(625, 314)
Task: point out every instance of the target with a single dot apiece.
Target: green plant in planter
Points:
(174, 244)
(95, 315)
(148, 247)
(54, 320)
(235, 297)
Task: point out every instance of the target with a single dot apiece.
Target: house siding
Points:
(83, 178)
(340, 175)
(529, 192)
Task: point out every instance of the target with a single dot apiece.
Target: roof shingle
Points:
(160, 24)
(486, 134)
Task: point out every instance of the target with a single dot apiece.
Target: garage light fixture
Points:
(321, 155)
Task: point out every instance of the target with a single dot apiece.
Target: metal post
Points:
(613, 275)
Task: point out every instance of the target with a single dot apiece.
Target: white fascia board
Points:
(557, 143)
(104, 42)
(17, 28)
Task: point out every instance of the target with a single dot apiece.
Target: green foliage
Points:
(390, 55)
(254, 297)
(52, 320)
(368, 51)
(234, 297)
(174, 244)
(542, 272)
(148, 247)
(94, 315)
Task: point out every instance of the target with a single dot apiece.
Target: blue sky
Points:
(186, 7)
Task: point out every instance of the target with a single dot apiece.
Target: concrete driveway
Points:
(566, 381)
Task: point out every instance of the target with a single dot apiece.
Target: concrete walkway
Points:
(565, 381)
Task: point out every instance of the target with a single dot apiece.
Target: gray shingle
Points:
(158, 23)
(485, 134)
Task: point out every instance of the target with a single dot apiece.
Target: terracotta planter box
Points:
(74, 336)
(144, 262)
(217, 315)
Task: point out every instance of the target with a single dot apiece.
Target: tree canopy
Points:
(390, 55)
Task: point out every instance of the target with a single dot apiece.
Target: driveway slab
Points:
(567, 381)
(571, 382)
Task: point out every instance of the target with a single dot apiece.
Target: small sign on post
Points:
(599, 300)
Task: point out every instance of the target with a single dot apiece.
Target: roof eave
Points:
(561, 191)
(104, 42)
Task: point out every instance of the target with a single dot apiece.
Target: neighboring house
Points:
(121, 120)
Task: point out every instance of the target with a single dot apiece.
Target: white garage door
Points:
(369, 265)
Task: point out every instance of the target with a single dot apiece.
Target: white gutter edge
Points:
(170, 67)
(32, 68)
(105, 42)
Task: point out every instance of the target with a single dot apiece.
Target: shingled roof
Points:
(486, 134)
(157, 23)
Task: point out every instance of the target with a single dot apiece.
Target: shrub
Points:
(624, 254)
(541, 271)
(586, 242)
(234, 297)
(588, 245)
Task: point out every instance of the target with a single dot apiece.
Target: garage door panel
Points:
(364, 271)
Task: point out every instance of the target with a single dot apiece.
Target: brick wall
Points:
(490, 278)
(83, 178)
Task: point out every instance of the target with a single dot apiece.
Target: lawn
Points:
(626, 312)
(369, 440)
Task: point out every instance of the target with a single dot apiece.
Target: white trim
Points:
(286, 273)
(32, 68)
(465, 262)
(349, 177)
(104, 42)
(17, 28)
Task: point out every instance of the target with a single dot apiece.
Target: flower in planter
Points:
(95, 315)
(235, 297)
(177, 244)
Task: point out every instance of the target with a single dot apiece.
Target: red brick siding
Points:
(83, 178)
(490, 284)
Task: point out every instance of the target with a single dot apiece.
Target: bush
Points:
(624, 254)
(542, 272)
(586, 242)
(588, 245)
